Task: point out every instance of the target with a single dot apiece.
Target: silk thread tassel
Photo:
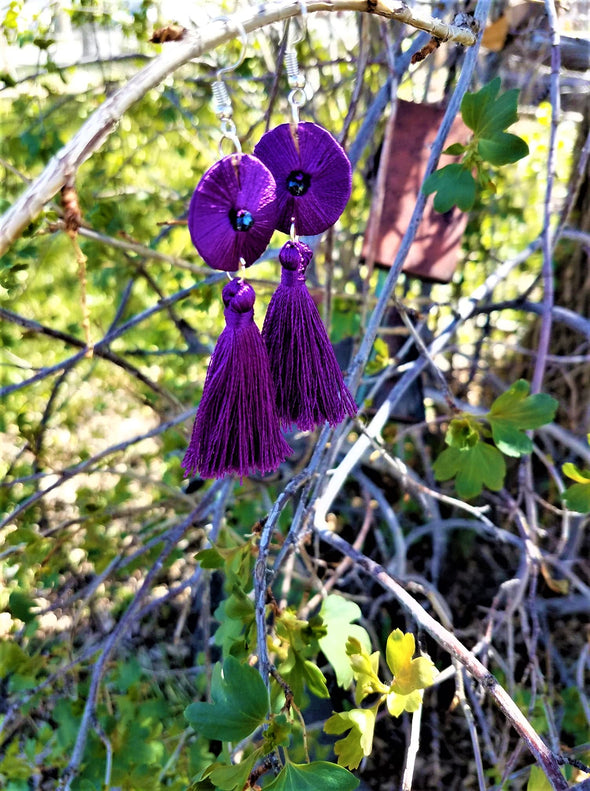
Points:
(310, 388)
(237, 428)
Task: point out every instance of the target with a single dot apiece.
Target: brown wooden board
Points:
(435, 252)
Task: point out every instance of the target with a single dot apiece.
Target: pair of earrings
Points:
(298, 181)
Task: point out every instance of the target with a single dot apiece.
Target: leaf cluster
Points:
(488, 115)
(403, 693)
(473, 461)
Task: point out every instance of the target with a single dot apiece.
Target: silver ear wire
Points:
(221, 102)
(297, 81)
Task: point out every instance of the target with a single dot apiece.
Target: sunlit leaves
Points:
(471, 460)
(239, 703)
(403, 693)
(487, 115)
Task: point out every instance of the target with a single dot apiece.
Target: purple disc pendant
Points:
(233, 211)
(312, 173)
(237, 429)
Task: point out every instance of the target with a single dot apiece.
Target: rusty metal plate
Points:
(435, 252)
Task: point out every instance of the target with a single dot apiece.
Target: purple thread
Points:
(312, 174)
(237, 429)
(310, 388)
(233, 211)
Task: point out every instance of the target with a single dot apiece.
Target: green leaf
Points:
(338, 615)
(311, 777)
(473, 468)
(240, 703)
(454, 185)
(455, 149)
(299, 672)
(210, 559)
(577, 497)
(475, 106)
(228, 777)
(488, 114)
(515, 412)
(20, 605)
(358, 744)
(503, 148)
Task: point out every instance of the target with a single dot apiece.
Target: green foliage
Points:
(487, 115)
(240, 703)
(472, 468)
(310, 777)
(515, 412)
(577, 496)
(404, 693)
(338, 615)
(475, 463)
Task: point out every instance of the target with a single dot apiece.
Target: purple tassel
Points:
(310, 386)
(237, 429)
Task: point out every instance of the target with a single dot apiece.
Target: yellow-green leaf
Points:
(364, 667)
(408, 674)
(397, 703)
(353, 748)
(338, 615)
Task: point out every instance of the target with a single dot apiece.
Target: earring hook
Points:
(303, 25)
(243, 40)
(221, 101)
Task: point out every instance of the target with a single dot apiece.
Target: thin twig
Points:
(412, 751)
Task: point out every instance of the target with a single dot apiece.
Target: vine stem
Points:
(447, 640)
(94, 132)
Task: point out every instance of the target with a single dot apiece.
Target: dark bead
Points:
(298, 182)
(241, 219)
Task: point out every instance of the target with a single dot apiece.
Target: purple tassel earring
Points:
(313, 181)
(232, 216)
(237, 429)
(310, 387)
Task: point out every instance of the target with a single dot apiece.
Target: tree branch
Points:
(92, 134)
(456, 649)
